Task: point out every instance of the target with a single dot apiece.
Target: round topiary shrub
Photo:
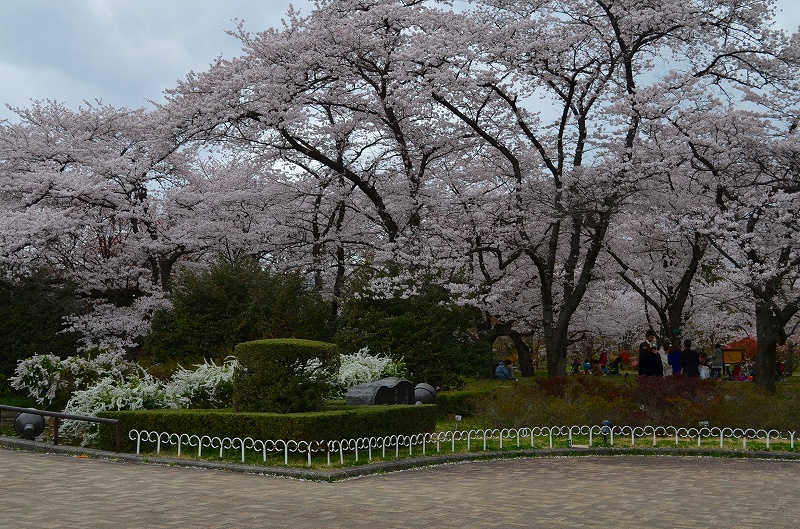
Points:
(284, 375)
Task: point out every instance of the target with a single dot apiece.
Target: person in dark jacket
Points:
(649, 360)
(690, 360)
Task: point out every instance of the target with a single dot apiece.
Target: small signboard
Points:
(732, 356)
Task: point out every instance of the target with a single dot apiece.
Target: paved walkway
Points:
(56, 490)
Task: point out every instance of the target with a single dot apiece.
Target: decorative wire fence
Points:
(462, 441)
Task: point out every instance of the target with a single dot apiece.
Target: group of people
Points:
(596, 366)
(505, 370)
(669, 360)
(672, 360)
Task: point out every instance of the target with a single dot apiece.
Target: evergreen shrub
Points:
(351, 423)
(414, 320)
(230, 303)
(283, 375)
(32, 311)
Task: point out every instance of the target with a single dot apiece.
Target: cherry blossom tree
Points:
(513, 150)
(657, 257)
(555, 90)
(81, 197)
(500, 143)
(328, 100)
(350, 149)
(744, 164)
(759, 233)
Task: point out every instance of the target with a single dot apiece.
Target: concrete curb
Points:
(382, 466)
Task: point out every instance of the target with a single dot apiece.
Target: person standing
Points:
(603, 361)
(717, 362)
(690, 360)
(649, 360)
(674, 359)
(666, 367)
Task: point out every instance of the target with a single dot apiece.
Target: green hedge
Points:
(284, 376)
(355, 422)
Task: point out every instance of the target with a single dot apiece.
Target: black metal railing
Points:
(57, 421)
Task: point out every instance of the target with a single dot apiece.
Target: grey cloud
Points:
(123, 52)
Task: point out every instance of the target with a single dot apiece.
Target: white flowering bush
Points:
(109, 394)
(362, 367)
(108, 382)
(46, 377)
(40, 376)
(84, 371)
(207, 386)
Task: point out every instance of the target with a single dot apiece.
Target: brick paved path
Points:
(49, 490)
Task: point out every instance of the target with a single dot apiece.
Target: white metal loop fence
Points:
(453, 441)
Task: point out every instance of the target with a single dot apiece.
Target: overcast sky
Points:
(126, 52)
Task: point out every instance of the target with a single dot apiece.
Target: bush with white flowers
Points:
(109, 394)
(45, 377)
(207, 386)
(107, 382)
(136, 393)
(362, 367)
(40, 377)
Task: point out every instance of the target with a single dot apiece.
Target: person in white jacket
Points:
(662, 352)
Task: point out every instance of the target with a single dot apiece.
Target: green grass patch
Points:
(475, 446)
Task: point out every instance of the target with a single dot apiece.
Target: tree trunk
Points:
(768, 335)
(555, 342)
(523, 355)
(674, 322)
(337, 284)
(161, 269)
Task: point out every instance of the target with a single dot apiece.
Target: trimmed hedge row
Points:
(362, 421)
